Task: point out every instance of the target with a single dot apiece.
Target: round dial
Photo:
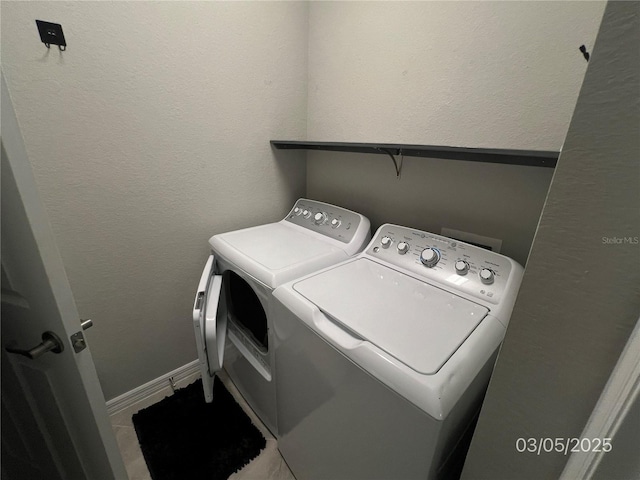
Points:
(335, 223)
(403, 247)
(462, 267)
(486, 276)
(386, 242)
(320, 218)
(306, 213)
(297, 211)
(430, 257)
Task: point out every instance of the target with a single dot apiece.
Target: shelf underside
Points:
(532, 158)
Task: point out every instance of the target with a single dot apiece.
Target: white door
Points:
(210, 325)
(55, 423)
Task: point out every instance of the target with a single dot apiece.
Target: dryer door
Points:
(210, 325)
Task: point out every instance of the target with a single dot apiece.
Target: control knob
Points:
(403, 247)
(306, 214)
(386, 242)
(462, 267)
(335, 223)
(486, 276)
(320, 218)
(430, 257)
(297, 210)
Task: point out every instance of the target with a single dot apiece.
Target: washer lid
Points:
(417, 323)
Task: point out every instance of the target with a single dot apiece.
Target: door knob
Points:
(50, 343)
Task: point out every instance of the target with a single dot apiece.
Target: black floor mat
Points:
(183, 437)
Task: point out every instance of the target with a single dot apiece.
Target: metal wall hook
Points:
(61, 47)
(51, 34)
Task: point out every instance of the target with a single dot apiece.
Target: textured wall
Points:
(498, 201)
(472, 74)
(579, 298)
(148, 135)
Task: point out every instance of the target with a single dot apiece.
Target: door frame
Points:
(612, 410)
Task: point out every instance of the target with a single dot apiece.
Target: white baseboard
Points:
(154, 386)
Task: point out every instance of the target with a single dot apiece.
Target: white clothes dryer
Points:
(383, 359)
(232, 312)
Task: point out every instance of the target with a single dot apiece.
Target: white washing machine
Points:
(383, 359)
(232, 313)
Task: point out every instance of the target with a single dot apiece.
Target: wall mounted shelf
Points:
(531, 158)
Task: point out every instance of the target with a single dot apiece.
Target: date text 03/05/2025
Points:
(562, 445)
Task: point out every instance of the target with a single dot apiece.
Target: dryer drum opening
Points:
(245, 309)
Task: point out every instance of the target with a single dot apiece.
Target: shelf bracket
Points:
(397, 164)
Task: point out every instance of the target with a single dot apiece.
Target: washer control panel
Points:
(457, 265)
(332, 221)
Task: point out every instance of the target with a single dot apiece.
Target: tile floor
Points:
(269, 465)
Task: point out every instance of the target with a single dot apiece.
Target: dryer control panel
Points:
(335, 222)
(455, 265)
